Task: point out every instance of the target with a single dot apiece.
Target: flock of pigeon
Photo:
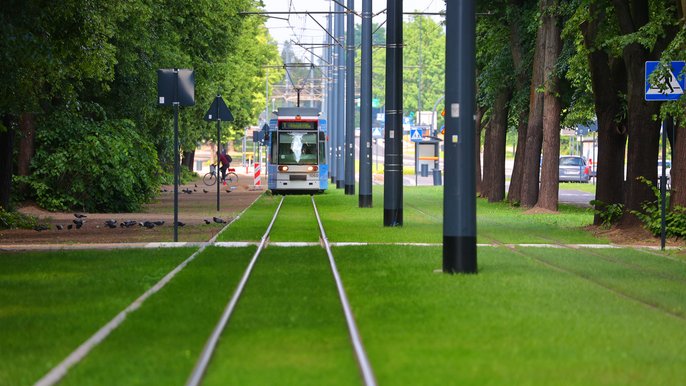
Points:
(80, 220)
(195, 189)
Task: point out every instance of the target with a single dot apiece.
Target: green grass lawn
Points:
(588, 188)
(516, 322)
(52, 302)
(557, 316)
(159, 344)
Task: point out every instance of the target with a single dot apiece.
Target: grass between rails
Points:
(288, 328)
(52, 302)
(160, 343)
(516, 322)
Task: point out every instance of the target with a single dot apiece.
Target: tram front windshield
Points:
(297, 148)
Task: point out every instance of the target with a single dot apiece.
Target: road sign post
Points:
(219, 112)
(176, 87)
(669, 86)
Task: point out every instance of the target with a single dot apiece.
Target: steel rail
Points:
(360, 355)
(206, 354)
(58, 372)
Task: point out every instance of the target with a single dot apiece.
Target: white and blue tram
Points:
(297, 152)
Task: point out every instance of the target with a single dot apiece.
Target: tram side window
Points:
(297, 148)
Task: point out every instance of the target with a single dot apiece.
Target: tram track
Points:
(204, 359)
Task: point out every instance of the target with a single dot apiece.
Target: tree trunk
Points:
(514, 193)
(678, 176)
(188, 159)
(643, 130)
(477, 148)
(486, 186)
(6, 150)
(534, 131)
(27, 127)
(548, 197)
(522, 82)
(608, 79)
(494, 164)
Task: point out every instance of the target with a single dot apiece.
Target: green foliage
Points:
(93, 164)
(651, 215)
(609, 213)
(13, 220)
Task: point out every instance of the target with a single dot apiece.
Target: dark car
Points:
(574, 169)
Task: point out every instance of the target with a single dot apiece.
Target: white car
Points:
(668, 172)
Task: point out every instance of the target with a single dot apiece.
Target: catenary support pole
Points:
(350, 101)
(459, 192)
(365, 197)
(330, 113)
(393, 162)
(340, 97)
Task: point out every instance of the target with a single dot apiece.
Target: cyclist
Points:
(225, 160)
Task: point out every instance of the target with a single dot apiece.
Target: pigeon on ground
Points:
(59, 227)
(204, 190)
(159, 222)
(148, 224)
(70, 226)
(111, 223)
(196, 185)
(79, 222)
(219, 220)
(179, 223)
(206, 221)
(40, 228)
(128, 224)
(80, 215)
(228, 190)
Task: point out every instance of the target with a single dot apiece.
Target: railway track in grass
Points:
(206, 355)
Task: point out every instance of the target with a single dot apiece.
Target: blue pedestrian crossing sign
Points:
(376, 132)
(670, 87)
(416, 135)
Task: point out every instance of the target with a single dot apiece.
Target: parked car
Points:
(668, 163)
(574, 169)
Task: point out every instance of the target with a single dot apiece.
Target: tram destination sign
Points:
(298, 125)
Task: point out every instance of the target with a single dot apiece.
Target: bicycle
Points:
(231, 178)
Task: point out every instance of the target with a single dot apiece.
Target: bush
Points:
(92, 164)
(651, 216)
(13, 220)
(609, 213)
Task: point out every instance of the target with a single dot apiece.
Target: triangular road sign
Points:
(416, 135)
(218, 111)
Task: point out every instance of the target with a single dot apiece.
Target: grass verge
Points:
(516, 322)
(52, 302)
(160, 343)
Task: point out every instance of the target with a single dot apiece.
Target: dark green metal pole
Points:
(459, 192)
(350, 102)
(393, 163)
(365, 198)
(177, 169)
(667, 125)
(219, 145)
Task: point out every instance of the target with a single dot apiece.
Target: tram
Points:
(297, 152)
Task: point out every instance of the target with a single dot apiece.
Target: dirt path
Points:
(194, 209)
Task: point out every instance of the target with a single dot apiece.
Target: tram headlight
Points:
(312, 168)
(283, 168)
